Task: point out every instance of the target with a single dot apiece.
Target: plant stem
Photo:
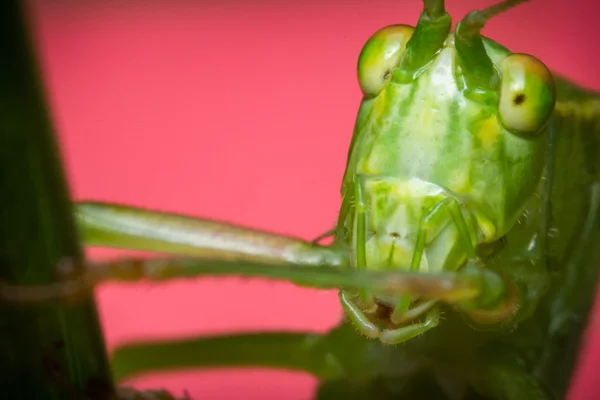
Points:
(48, 350)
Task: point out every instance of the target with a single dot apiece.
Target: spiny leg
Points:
(392, 336)
(358, 318)
(416, 311)
(120, 226)
(223, 249)
(112, 225)
(396, 336)
(451, 287)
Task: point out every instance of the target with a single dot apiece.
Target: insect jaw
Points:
(407, 225)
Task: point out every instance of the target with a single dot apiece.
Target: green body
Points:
(467, 238)
(410, 147)
(559, 223)
(572, 231)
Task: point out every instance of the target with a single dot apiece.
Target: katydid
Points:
(465, 161)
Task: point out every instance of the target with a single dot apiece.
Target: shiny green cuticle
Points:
(465, 252)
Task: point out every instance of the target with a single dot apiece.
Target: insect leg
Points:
(111, 225)
(396, 336)
(450, 205)
(416, 311)
(222, 249)
(403, 303)
(358, 318)
(452, 287)
(324, 235)
(292, 351)
(365, 295)
(324, 356)
(429, 223)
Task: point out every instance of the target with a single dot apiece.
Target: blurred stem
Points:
(48, 350)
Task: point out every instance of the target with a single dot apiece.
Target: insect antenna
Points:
(475, 20)
(479, 72)
(430, 33)
(434, 8)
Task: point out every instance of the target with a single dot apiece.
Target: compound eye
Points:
(527, 94)
(380, 55)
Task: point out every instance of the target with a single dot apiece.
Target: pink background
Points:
(241, 111)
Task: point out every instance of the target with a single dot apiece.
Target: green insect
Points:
(466, 236)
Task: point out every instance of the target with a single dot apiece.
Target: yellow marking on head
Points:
(488, 132)
(369, 165)
(381, 103)
(426, 119)
(460, 181)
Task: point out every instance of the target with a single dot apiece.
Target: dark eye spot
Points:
(519, 99)
(387, 74)
(395, 235)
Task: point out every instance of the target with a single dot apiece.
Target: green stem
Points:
(49, 350)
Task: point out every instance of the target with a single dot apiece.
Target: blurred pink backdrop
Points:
(242, 111)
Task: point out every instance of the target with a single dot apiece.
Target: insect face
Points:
(448, 148)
